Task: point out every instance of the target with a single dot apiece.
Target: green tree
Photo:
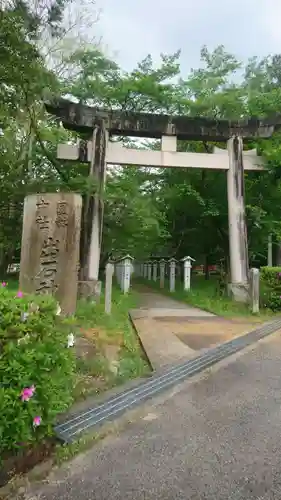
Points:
(23, 78)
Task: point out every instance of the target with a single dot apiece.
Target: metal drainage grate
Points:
(71, 429)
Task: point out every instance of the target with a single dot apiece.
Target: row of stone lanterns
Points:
(153, 269)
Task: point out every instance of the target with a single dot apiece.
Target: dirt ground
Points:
(200, 333)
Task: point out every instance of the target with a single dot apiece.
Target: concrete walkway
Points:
(216, 437)
(162, 346)
(155, 304)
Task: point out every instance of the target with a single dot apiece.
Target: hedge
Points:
(36, 368)
(271, 287)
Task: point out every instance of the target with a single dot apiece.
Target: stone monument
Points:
(50, 247)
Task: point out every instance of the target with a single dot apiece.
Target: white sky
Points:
(133, 28)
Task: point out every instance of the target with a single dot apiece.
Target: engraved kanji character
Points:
(49, 252)
(62, 214)
(43, 221)
(41, 203)
(46, 285)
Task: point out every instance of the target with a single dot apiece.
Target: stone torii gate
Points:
(99, 125)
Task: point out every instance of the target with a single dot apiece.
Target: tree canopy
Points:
(147, 211)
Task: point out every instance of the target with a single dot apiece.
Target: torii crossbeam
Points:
(84, 118)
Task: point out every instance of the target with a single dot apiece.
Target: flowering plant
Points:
(36, 368)
(27, 393)
(271, 288)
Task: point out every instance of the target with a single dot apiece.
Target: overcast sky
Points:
(133, 28)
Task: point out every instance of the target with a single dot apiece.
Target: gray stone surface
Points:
(168, 312)
(218, 437)
(161, 344)
(156, 304)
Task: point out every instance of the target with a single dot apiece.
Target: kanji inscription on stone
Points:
(62, 214)
(50, 247)
(42, 219)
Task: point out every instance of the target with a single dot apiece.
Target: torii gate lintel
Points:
(83, 119)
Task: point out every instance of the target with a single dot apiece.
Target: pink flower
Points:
(19, 294)
(36, 421)
(27, 393)
(4, 284)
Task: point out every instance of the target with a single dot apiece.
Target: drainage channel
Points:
(71, 429)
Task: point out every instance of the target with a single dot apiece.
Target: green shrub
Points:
(36, 368)
(271, 288)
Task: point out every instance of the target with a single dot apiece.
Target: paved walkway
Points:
(155, 304)
(216, 437)
(162, 346)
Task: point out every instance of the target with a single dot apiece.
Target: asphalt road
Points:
(217, 438)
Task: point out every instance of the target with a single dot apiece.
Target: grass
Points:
(93, 374)
(116, 355)
(204, 294)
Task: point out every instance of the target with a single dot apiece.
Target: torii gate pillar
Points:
(93, 209)
(237, 227)
(238, 242)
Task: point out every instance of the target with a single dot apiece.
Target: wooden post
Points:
(172, 274)
(255, 289)
(155, 269)
(133, 269)
(269, 251)
(149, 270)
(162, 273)
(187, 272)
(145, 270)
(178, 271)
(117, 273)
(50, 247)
(109, 271)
